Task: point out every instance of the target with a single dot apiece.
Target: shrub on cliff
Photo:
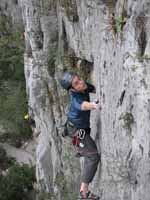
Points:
(18, 183)
(5, 161)
(12, 84)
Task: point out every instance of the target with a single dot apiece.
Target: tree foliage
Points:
(13, 104)
(11, 51)
(18, 183)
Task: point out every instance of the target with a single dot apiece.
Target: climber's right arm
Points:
(90, 106)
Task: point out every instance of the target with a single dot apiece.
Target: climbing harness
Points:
(79, 135)
(77, 141)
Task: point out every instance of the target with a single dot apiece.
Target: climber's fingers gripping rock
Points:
(96, 104)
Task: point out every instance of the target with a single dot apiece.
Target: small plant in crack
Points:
(118, 23)
(143, 58)
(128, 120)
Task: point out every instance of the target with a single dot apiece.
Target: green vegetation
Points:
(52, 60)
(17, 184)
(5, 161)
(13, 107)
(45, 196)
(143, 58)
(70, 10)
(11, 52)
(118, 23)
(47, 5)
(12, 84)
(63, 184)
(128, 120)
(16, 181)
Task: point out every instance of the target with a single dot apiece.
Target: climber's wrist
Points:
(94, 105)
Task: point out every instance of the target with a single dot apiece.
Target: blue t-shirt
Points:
(80, 118)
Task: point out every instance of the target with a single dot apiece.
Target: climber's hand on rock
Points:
(96, 105)
(96, 101)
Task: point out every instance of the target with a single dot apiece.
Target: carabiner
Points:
(81, 134)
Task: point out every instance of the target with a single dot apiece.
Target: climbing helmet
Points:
(66, 81)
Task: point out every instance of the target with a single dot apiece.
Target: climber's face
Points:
(78, 84)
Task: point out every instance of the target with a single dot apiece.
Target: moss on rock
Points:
(70, 10)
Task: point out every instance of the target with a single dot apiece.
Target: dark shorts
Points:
(89, 151)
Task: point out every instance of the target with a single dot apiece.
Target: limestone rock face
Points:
(54, 159)
(119, 50)
(113, 37)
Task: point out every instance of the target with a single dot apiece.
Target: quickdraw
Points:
(81, 134)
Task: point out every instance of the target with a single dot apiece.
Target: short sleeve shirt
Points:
(80, 118)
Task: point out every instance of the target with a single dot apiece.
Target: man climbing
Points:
(79, 118)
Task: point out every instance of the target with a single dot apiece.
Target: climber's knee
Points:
(96, 158)
(90, 167)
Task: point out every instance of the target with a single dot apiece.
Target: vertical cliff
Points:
(114, 36)
(54, 165)
(110, 41)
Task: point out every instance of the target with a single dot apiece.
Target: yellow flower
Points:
(26, 116)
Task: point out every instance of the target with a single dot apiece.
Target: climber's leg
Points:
(91, 160)
(89, 170)
(90, 167)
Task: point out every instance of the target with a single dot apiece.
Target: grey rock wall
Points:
(54, 157)
(121, 74)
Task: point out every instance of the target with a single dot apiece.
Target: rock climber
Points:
(79, 117)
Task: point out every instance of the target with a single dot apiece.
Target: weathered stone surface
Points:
(121, 74)
(53, 160)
